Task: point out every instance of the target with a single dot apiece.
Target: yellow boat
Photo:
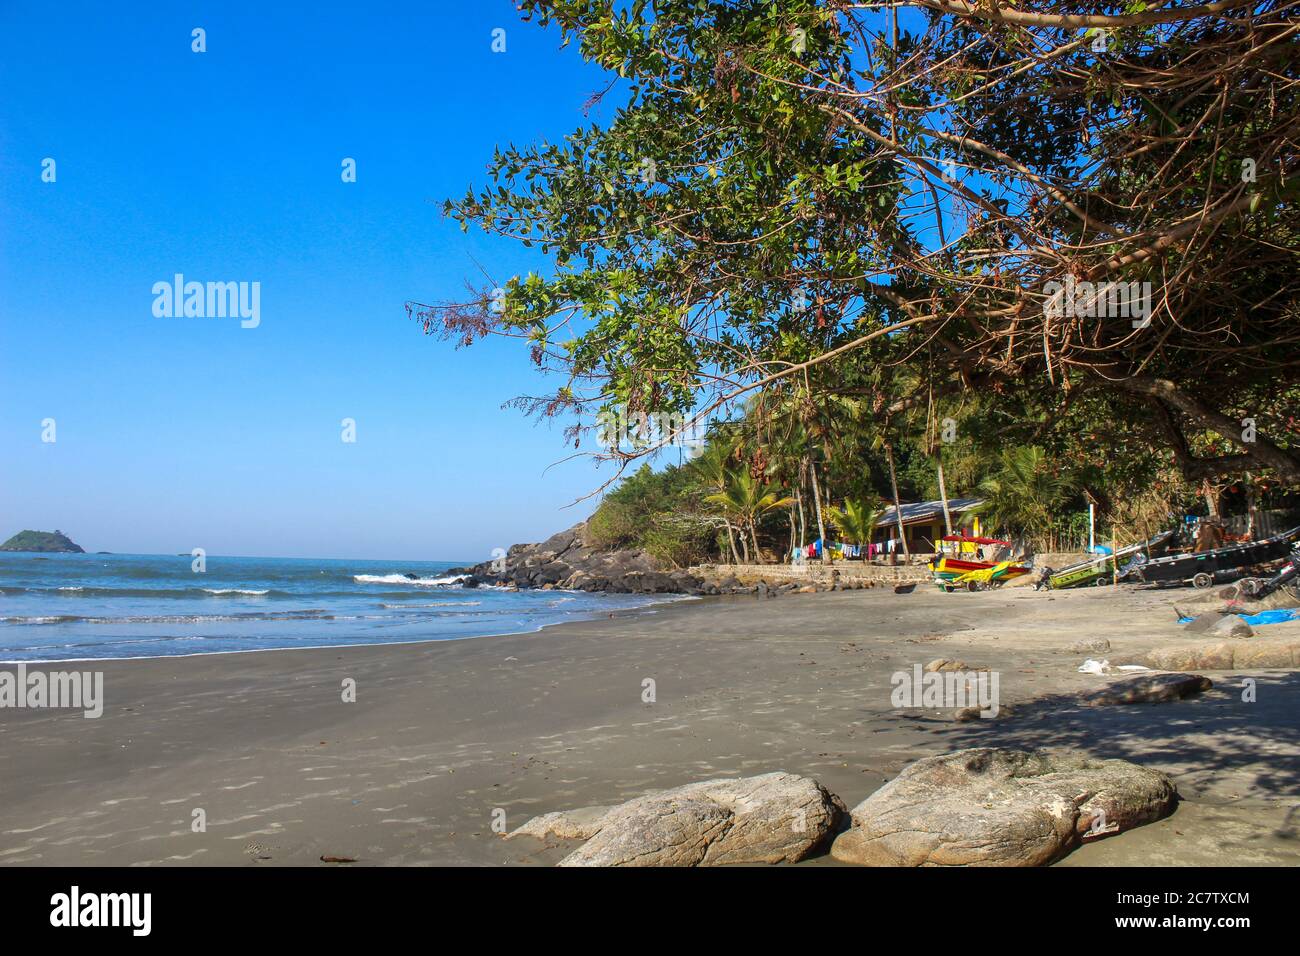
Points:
(982, 578)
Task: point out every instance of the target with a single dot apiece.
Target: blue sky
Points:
(175, 433)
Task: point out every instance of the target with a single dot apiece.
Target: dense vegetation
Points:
(877, 247)
(719, 506)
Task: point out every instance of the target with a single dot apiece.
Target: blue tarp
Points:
(1276, 616)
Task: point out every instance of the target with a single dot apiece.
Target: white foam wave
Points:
(402, 605)
(234, 591)
(403, 579)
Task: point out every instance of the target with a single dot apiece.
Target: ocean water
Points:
(96, 606)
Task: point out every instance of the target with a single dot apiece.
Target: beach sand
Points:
(442, 735)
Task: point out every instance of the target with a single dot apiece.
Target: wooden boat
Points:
(1220, 564)
(1101, 568)
(985, 577)
(960, 555)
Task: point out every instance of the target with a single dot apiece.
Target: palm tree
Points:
(792, 431)
(1025, 491)
(711, 467)
(747, 502)
(856, 521)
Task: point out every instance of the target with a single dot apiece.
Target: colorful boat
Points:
(985, 577)
(961, 554)
(1101, 568)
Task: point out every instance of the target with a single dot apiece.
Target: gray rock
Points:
(991, 807)
(1232, 626)
(1097, 645)
(567, 560)
(772, 818)
(943, 664)
(1207, 621)
(1148, 689)
(966, 714)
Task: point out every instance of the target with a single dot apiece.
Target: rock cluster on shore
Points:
(567, 561)
(978, 807)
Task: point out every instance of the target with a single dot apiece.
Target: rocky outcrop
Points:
(772, 818)
(566, 560)
(991, 807)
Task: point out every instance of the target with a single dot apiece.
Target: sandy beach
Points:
(443, 734)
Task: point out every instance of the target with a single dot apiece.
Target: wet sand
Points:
(445, 737)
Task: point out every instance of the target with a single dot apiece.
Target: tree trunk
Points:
(898, 507)
(943, 494)
(793, 532)
(753, 534)
(1250, 508)
(1259, 452)
(1211, 498)
(821, 527)
(731, 539)
(803, 520)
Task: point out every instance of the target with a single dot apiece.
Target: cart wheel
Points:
(1252, 586)
(1101, 582)
(1202, 580)
(972, 586)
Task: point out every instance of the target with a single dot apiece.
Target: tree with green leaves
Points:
(1025, 493)
(910, 204)
(747, 502)
(856, 521)
(711, 467)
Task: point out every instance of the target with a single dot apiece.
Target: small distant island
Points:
(41, 541)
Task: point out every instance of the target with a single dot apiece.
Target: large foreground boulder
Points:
(992, 807)
(773, 818)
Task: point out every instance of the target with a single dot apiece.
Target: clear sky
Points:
(176, 433)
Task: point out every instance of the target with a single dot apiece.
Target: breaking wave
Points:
(404, 579)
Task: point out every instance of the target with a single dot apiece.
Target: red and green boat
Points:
(960, 554)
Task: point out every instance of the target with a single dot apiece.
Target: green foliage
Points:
(856, 521)
(1025, 492)
(794, 210)
(675, 545)
(627, 512)
(653, 510)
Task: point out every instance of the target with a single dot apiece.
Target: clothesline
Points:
(814, 550)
